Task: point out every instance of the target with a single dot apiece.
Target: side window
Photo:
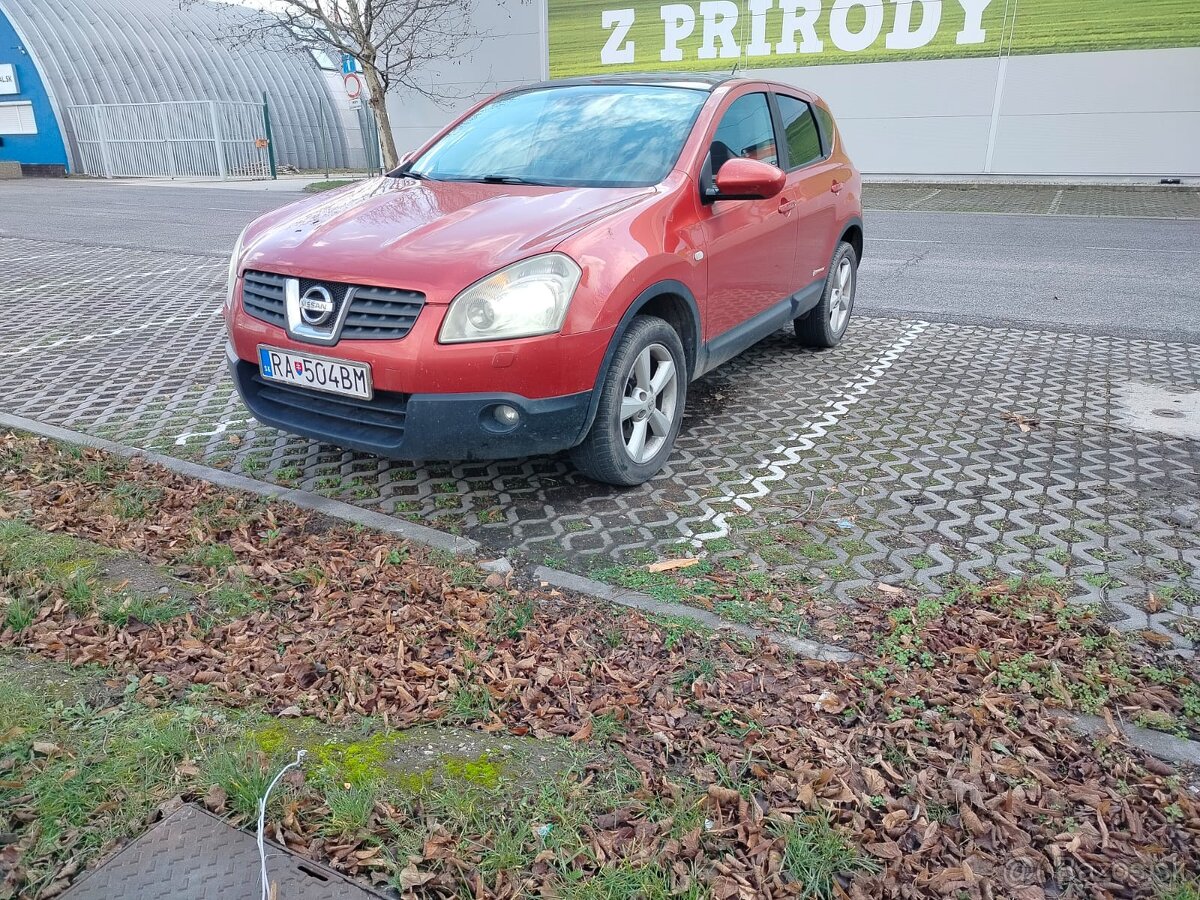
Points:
(745, 130)
(800, 131)
(825, 120)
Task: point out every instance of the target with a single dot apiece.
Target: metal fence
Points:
(178, 139)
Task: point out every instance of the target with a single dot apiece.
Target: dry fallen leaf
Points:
(1025, 424)
(829, 702)
(668, 565)
(215, 798)
(411, 877)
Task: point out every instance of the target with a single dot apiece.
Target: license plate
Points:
(334, 376)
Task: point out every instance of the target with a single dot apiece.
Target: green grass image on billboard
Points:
(1039, 26)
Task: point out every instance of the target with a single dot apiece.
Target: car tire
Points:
(825, 323)
(640, 397)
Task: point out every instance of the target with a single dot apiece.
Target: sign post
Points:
(354, 89)
(270, 142)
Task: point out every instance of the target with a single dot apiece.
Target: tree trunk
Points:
(379, 107)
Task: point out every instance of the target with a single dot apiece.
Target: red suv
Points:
(550, 272)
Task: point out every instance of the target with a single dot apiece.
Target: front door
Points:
(751, 244)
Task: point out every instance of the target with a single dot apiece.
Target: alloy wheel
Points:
(648, 405)
(841, 297)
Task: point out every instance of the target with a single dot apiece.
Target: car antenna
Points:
(733, 71)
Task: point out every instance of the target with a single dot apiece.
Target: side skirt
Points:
(725, 347)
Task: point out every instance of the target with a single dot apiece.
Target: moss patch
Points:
(414, 760)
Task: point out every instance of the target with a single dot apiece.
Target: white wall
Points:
(1128, 112)
(508, 49)
(1115, 113)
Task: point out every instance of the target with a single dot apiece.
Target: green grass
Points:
(44, 556)
(350, 810)
(103, 775)
(120, 608)
(134, 501)
(815, 853)
(318, 187)
(1181, 888)
(1042, 26)
(19, 614)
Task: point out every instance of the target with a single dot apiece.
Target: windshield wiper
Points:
(507, 179)
(406, 172)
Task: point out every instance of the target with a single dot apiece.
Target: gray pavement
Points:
(1100, 275)
(1135, 277)
(918, 452)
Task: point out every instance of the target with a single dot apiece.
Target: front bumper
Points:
(416, 426)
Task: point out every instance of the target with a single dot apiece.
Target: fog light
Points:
(506, 415)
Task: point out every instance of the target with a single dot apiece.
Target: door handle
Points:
(836, 187)
(786, 205)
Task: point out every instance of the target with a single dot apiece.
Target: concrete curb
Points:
(420, 534)
(635, 600)
(1166, 747)
(410, 531)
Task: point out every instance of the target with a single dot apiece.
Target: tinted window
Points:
(589, 135)
(745, 130)
(800, 129)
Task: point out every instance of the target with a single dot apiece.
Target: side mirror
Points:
(748, 179)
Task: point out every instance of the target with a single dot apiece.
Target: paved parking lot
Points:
(935, 442)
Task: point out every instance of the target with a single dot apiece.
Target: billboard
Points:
(590, 36)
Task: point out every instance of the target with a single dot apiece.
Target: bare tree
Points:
(394, 41)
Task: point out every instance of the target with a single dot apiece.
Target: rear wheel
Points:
(640, 409)
(825, 324)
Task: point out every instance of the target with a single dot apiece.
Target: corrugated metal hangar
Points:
(109, 86)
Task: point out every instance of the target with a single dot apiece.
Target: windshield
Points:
(586, 135)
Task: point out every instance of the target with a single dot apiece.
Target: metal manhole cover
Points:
(191, 855)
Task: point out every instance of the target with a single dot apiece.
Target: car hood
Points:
(436, 237)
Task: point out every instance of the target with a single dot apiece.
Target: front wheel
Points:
(640, 409)
(825, 324)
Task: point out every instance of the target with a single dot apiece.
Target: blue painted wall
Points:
(46, 147)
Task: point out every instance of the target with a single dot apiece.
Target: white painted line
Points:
(219, 428)
(790, 454)
(1141, 250)
(921, 200)
(876, 240)
(1055, 203)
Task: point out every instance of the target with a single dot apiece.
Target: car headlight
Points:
(234, 260)
(522, 300)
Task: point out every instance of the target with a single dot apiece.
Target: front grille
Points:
(347, 420)
(262, 297)
(379, 314)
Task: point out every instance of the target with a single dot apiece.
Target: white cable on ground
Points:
(262, 817)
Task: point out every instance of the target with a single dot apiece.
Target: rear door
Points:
(812, 180)
(750, 243)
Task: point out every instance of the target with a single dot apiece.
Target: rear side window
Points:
(745, 131)
(800, 131)
(825, 120)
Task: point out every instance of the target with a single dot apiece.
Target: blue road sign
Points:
(349, 64)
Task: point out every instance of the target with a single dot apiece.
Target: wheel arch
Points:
(670, 301)
(852, 234)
